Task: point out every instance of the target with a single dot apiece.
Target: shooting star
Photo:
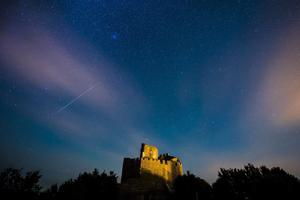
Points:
(76, 98)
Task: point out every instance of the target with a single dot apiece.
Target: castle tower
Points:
(151, 167)
(148, 151)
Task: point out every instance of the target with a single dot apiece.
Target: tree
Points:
(256, 183)
(14, 185)
(191, 187)
(90, 186)
(50, 193)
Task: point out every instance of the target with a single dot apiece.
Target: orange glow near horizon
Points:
(281, 86)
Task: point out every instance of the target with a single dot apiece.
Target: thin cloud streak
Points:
(42, 60)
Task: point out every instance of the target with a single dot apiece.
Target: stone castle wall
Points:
(130, 169)
(150, 163)
(166, 169)
(148, 151)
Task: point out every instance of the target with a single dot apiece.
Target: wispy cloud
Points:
(278, 97)
(86, 100)
(46, 62)
(264, 120)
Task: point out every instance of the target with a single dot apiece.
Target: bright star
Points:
(114, 36)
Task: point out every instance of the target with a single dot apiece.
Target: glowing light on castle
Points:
(151, 166)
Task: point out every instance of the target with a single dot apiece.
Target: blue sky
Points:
(84, 83)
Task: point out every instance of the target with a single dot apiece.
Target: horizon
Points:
(84, 83)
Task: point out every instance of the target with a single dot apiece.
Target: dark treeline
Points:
(249, 183)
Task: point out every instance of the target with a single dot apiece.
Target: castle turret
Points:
(148, 151)
(163, 168)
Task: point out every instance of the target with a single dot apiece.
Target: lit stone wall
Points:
(148, 151)
(167, 170)
(151, 168)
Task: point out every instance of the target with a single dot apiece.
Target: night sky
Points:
(83, 83)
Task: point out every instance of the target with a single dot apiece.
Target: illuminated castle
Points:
(150, 170)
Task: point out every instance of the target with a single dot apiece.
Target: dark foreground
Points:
(235, 184)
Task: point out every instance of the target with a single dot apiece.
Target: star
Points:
(114, 36)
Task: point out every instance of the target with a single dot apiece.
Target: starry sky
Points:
(83, 83)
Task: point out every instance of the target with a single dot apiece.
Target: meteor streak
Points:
(76, 98)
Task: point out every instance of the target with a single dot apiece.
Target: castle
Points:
(150, 171)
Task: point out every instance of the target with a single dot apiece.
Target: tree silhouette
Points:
(256, 183)
(90, 186)
(14, 185)
(50, 193)
(191, 187)
(248, 183)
